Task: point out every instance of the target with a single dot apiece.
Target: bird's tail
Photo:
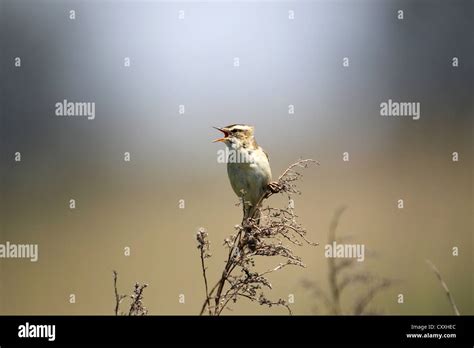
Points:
(256, 216)
(254, 213)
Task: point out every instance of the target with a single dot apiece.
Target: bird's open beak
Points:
(226, 134)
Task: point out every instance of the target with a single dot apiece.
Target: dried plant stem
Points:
(205, 281)
(301, 164)
(118, 298)
(334, 289)
(229, 267)
(333, 269)
(207, 301)
(255, 237)
(341, 275)
(136, 305)
(445, 287)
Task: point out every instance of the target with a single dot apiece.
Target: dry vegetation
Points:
(444, 286)
(135, 299)
(342, 276)
(268, 232)
(274, 233)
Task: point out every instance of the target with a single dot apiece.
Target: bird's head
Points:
(236, 134)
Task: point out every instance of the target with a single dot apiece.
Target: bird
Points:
(248, 166)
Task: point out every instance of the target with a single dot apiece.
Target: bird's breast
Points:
(250, 177)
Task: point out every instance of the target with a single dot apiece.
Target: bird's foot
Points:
(274, 187)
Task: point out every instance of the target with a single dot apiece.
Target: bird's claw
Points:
(274, 187)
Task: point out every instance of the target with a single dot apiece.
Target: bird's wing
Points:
(266, 154)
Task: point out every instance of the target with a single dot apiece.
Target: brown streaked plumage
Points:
(250, 175)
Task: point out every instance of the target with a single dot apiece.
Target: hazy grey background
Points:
(190, 62)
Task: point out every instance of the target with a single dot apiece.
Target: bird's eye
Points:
(233, 131)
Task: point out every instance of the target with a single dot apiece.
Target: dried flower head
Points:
(268, 232)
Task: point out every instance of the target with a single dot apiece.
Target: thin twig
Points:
(205, 282)
(255, 237)
(338, 281)
(118, 298)
(333, 268)
(203, 246)
(363, 302)
(136, 305)
(445, 287)
(301, 163)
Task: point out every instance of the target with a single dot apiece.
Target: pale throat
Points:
(240, 144)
